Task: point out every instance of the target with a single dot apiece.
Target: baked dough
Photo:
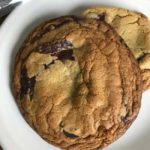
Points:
(134, 28)
(76, 83)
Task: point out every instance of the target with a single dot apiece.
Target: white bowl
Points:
(15, 133)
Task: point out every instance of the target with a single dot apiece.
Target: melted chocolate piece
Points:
(70, 135)
(67, 54)
(125, 118)
(27, 84)
(102, 16)
(40, 34)
(24, 83)
(54, 48)
(78, 19)
(48, 28)
(31, 86)
(61, 49)
(62, 23)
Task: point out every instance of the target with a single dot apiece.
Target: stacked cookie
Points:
(76, 80)
(134, 28)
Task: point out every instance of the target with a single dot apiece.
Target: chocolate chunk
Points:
(125, 118)
(61, 49)
(27, 84)
(54, 48)
(43, 31)
(64, 55)
(62, 23)
(24, 83)
(78, 19)
(102, 16)
(31, 86)
(70, 135)
(48, 28)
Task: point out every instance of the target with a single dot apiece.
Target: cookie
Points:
(134, 28)
(76, 83)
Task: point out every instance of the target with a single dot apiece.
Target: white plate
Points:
(15, 134)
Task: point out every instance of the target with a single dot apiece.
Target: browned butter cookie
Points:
(76, 83)
(134, 28)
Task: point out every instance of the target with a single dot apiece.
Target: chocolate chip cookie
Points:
(134, 28)
(76, 83)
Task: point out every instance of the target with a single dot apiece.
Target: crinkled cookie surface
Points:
(76, 83)
(134, 28)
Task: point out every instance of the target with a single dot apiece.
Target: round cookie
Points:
(134, 28)
(77, 84)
